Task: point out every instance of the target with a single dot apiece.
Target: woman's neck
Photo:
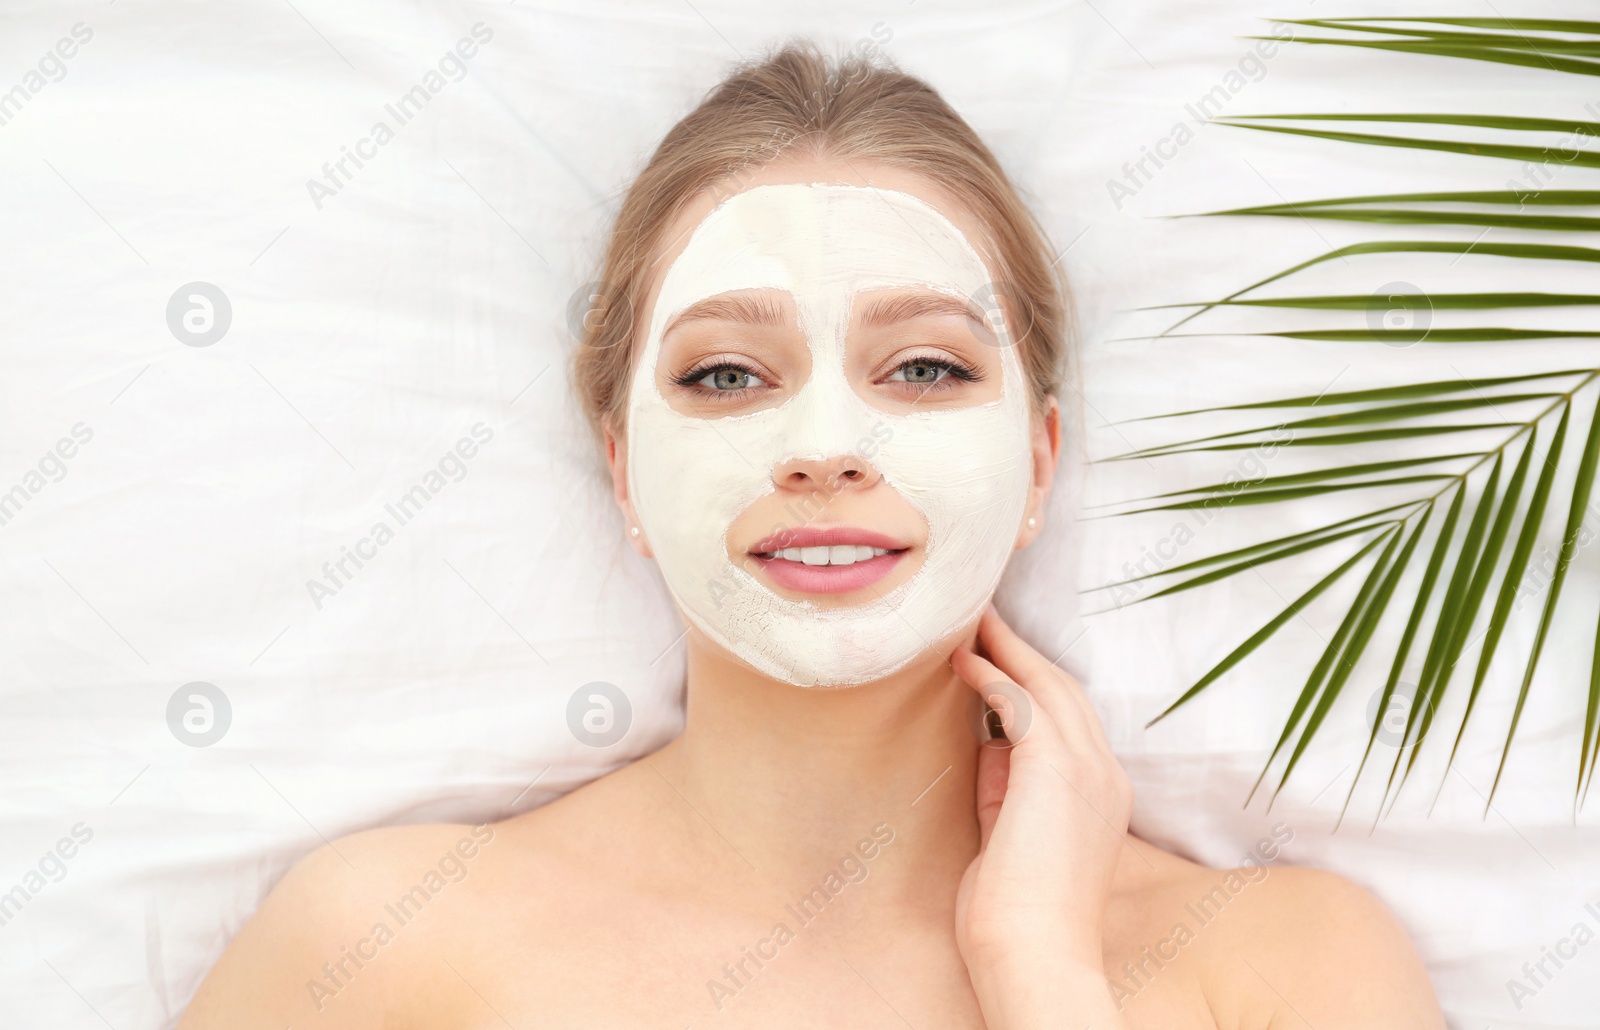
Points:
(794, 778)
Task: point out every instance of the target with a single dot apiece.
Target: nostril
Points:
(825, 473)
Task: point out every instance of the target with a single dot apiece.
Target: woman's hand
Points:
(1053, 810)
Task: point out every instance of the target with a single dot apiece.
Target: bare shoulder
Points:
(329, 946)
(1313, 922)
(1300, 944)
(360, 930)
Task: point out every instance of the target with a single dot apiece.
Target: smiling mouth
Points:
(827, 561)
(836, 555)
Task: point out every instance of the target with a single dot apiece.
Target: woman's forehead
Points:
(823, 243)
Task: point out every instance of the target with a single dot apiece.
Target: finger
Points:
(1020, 714)
(1012, 652)
(994, 772)
(1058, 740)
(1041, 676)
(1074, 720)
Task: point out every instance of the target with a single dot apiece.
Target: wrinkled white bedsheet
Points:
(381, 374)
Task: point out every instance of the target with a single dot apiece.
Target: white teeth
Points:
(838, 554)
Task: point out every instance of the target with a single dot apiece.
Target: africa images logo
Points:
(451, 468)
(336, 174)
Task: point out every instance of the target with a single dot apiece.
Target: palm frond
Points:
(1528, 251)
(1484, 546)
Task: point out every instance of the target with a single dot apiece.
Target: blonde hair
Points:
(796, 101)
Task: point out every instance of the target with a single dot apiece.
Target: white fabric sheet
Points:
(374, 327)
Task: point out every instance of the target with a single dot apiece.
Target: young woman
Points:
(831, 451)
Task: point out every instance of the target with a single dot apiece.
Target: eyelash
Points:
(958, 370)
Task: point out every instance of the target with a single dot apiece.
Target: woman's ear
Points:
(1046, 449)
(617, 460)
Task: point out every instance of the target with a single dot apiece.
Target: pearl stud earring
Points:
(1032, 521)
(634, 530)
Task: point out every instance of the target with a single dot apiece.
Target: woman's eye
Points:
(724, 379)
(934, 373)
(921, 373)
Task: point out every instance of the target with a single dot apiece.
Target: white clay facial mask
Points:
(965, 470)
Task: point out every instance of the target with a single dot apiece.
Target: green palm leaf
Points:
(1569, 544)
(1520, 562)
(1436, 301)
(1260, 636)
(1491, 39)
(1358, 640)
(1470, 51)
(1386, 393)
(1514, 24)
(1325, 440)
(1451, 617)
(1506, 151)
(1266, 555)
(1485, 572)
(1403, 649)
(1331, 654)
(1268, 551)
(1404, 336)
(1517, 198)
(1475, 538)
(1530, 251)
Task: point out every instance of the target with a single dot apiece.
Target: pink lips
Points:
(827, 579)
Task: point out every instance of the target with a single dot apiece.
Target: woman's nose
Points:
(841, 472)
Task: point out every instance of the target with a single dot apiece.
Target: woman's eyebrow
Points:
(901, 307)
(764, 310)
(759, 310)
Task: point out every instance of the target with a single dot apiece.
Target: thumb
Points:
(994, 770)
